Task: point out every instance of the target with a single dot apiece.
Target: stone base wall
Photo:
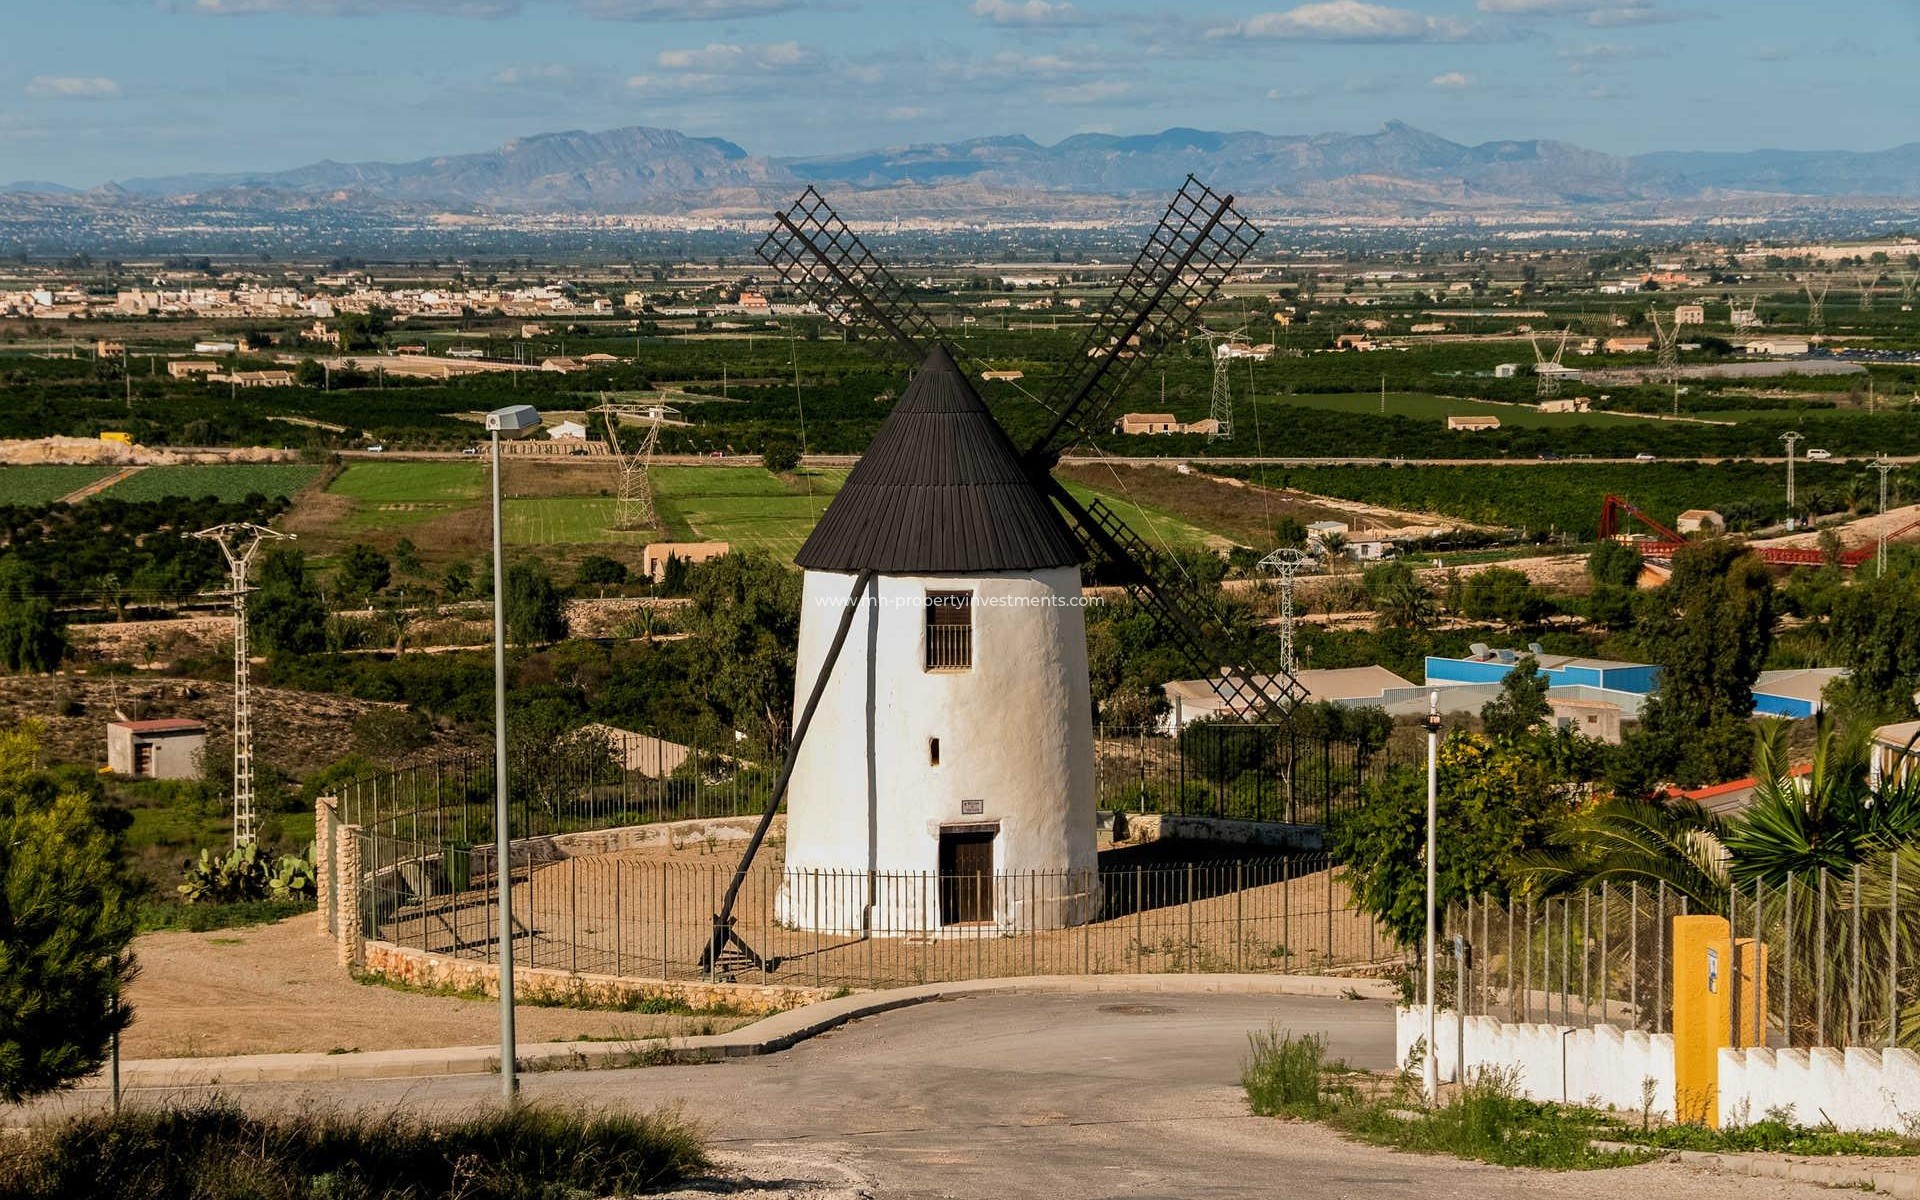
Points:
(541, 985)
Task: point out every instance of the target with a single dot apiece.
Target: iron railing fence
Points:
(1236, 770)
(1839, 959)
(638, 917)
(589, 780)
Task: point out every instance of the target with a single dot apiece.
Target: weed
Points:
(1282, 1073)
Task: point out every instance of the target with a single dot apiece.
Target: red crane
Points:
(1614, 507)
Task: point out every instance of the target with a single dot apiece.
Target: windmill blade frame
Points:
(820, 256)
(1200, 240)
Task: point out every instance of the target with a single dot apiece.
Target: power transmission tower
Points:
(1791, 437)
(1286, 562)
(1668, 336)
(1909, 283)
(1816, 300)
(1886, 467)
(1222, 409)
(633, 508)
(1547, 382)
(240, 541)
(1867, 280)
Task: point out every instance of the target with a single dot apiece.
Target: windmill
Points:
(633, 508)
(1817, 288)
(961, 740)
(239, 541)
(1547, 370)
(1222, 413)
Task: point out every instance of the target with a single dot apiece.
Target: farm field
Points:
(1163, 529)
(1565, 498)
(1419, 405)
(30, 486)
(565, 521)
(400, 495)
(230, 482)
(749, 508)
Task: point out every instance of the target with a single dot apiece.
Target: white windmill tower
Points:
(969, 628)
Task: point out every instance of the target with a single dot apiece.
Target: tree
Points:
(363, 572)
(1831, 819)
(1710, 629)
(66, 921)
(1521, 704)
(1875, 633)
(32, 635)
(1496, 806)
(285, 614)
(1614, 563)
(597, 570)
(780, 456)
(535, 611)
(1502, 595)
(1398, 596)
(1288, 531)
(745, 622)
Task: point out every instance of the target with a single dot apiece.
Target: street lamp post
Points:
(514, 421)
(1432, 1068)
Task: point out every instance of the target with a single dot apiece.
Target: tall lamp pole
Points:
(515, 421)
(1432, 1067)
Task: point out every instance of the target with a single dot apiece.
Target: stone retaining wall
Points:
(540, 985)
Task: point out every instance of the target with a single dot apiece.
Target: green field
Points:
(412, 482)
(227, 482)
(1439, 408)
(565, 521)
(1162, 529)
(750, 509)
(395, 495)
(33, 486)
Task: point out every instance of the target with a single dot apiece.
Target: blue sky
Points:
(102, 89)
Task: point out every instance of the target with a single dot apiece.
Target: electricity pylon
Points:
(1816, 301)
(633, 508)
(1222, 408)
(1668, 336)
(1886, 467)
(1547, 383)
(1286, 562)
(239, 541)
(1791, 437)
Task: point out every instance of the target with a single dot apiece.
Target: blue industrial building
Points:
(1485, 665)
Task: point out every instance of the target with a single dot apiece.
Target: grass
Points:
(1771, 1136)
(31, 487)
(441, 483)
(566, 521)
(227, 481)
(1163, 529)
(746, 507)
(215, 1151)
(158, 915)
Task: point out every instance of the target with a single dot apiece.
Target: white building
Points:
(951, 755)
(567, 431)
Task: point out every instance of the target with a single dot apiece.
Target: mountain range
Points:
(1396, 168)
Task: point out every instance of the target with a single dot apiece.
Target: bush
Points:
(214, 1151)
(245, 874)
(1282, 1073)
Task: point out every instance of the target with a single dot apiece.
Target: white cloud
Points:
(1602, 14)
(725, 58)
(73, 87)
(1289, 95)
(682, 10)
(1099, 91)
(1029, 12)
(1348, 21)
(535, 75)
(1452, 81)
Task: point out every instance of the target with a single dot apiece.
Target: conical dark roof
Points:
(939, 491)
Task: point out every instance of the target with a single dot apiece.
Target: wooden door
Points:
(966, 876)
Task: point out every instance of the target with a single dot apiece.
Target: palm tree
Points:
(1623, 840)
(1832, 818)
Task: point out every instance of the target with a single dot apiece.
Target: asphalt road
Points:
(1057, 1096)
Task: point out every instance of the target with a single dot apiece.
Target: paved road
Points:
(1057, 1096)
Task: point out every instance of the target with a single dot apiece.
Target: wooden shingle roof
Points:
(940, 491)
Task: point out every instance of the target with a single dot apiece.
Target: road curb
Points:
(770, 1035)
(1761, 1166)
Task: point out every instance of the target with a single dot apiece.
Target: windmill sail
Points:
(815, 252)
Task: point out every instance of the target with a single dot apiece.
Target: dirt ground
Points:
(277, 988)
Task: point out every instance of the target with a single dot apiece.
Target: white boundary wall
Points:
(1859, 1090)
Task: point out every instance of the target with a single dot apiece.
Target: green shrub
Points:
(214, 1151)
(244, 874)
(1282, 1073)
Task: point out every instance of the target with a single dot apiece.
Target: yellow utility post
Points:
(1708, 989)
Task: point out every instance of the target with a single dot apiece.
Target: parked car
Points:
(1819, 455)
(376, 448)
(1643, 456)
(471, 450)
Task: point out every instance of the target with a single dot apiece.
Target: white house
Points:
(567, 431)
(951, 755)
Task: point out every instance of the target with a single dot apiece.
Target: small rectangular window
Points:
(933, 752)
(949, 631)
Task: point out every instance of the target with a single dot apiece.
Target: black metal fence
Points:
(1236, 771)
